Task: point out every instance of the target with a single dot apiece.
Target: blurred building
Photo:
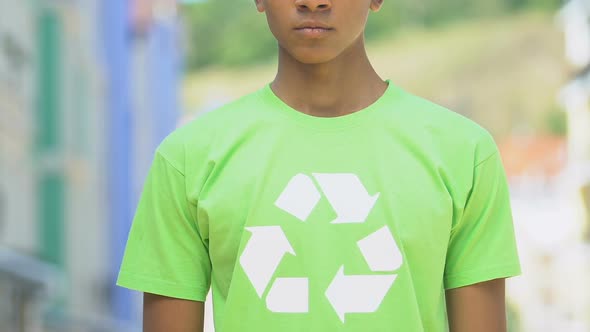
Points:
(549, 232)
(550, 180)
(575, 97)
(86, 94)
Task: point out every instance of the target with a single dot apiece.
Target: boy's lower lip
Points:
(313, 32)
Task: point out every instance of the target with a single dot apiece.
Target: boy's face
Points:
(317, 31)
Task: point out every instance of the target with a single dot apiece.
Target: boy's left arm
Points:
(482, 249)
(479, 307)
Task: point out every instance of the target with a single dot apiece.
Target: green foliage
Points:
(226, 35)
(513, 318)
(236, 34)
(556, 122)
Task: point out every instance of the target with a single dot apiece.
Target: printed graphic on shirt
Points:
(268, 245)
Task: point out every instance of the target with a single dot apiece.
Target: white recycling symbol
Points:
(346, 293)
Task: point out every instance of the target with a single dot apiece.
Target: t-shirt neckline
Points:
(317, 122)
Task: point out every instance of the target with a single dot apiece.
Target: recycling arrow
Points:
(380, 251)
(358, 293)
(299, 197)
(288, 295)
(347, 195)
(263, 253)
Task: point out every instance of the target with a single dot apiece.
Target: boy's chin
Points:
(314, 57)
(311, 56)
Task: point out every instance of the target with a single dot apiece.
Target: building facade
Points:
(83, 104)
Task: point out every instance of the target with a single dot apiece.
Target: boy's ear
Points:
(376, 5)
(260, 5)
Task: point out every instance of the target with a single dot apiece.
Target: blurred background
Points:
(88, 89)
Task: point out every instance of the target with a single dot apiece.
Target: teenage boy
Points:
(329, 200)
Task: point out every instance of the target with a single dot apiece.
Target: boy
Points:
(330, 200)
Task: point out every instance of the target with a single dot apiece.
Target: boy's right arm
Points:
(166, 314)
(167, 253)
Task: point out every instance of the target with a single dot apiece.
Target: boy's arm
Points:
(166, 314)
(480, 307)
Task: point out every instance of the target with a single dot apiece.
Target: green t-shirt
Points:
(302, 223)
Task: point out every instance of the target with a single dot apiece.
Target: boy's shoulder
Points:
(445, 127)
(433, 115)
(223, 117)
(199, 133)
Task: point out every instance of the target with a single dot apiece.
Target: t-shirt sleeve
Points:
(166, 253)
(482, 244)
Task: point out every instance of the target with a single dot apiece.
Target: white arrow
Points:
(358, 293)
(263, 253)
(299, 197)
(380, 251)
(348, 196)
(288, 295)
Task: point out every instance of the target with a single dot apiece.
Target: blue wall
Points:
(164, 74)
(115, 38)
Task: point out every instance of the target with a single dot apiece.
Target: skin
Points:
(479, 307)
(165, 314)
(326, 76)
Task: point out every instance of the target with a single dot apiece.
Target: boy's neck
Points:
(342, 86)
